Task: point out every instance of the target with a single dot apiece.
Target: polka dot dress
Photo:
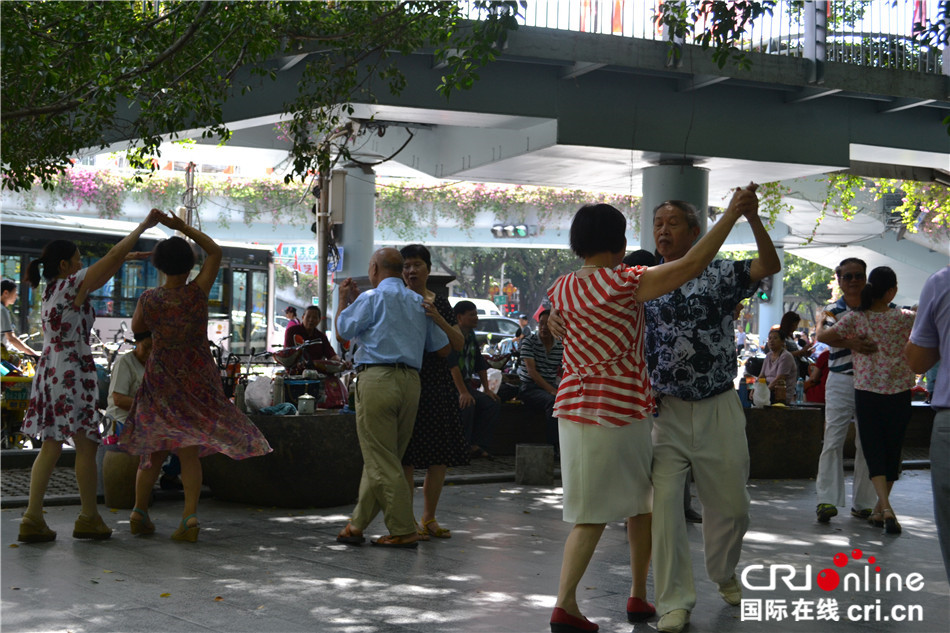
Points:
(437, 435)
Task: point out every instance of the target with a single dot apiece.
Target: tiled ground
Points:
(269, 569)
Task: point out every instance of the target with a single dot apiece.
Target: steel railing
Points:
(873, 33)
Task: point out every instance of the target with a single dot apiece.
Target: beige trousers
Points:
(709, 436)
(386, 403)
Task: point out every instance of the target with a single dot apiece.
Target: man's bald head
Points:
(385, 263)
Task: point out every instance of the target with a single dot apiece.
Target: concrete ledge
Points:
(518, 424)
(24, 458)
(316, 463)
(784, 442)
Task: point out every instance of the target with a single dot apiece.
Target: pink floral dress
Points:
(63, 401)
(181, 401)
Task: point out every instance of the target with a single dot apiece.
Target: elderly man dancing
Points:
(691, 351)
(391, 327)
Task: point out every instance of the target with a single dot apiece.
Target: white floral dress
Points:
(63, 401)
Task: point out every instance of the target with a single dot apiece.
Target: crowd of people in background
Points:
(633, 368)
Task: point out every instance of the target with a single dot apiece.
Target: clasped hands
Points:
(744, 202)
(172, 221)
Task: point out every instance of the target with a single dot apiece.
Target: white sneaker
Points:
(673, 622)
(731, 592)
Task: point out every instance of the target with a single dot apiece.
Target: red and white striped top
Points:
(606, 381)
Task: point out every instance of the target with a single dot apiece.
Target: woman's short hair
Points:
(598, 228)
(53, 253)
(7, 285)
(640, 257)
(417, 251)
(880, 280)
(173, 256)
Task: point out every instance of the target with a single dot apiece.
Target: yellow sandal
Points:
(438, 531)
(185, 532)
(35, 531)
(143, 526)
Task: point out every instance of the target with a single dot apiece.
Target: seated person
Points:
(817, 375)
(478, 410)
(8, 338)
(779, 364)
(524, 330)
(540, 373)
(127, 374)
(318, 347)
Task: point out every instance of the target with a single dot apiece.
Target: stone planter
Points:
(118, 479)
(784, 443)
(316, 462)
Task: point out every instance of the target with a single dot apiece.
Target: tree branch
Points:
(63, 106)
(210, 53)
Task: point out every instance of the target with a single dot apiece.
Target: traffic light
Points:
(764, 293)
(513, 230)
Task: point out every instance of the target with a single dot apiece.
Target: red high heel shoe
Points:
(564, 622)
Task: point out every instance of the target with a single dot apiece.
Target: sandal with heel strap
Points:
(891, 526)
(34, 530)
(143, 526)
(185, 532)
(94, 528)
(437, 531)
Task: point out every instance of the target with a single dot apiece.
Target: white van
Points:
(483, 306)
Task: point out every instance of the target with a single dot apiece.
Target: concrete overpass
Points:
(568, 109)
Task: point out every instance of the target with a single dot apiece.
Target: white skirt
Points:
(605, 471)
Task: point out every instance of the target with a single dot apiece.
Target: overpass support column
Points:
(683, 181)
(352, 204)
(771, 313)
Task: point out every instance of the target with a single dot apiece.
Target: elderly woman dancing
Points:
(63, 405)
(604, 401)
(181, 406)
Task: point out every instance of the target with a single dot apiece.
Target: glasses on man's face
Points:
(851, 277)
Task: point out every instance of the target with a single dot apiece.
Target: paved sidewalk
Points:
(62, 490)
(267, 569)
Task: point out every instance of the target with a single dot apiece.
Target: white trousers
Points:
(709, 436)
(839, 414)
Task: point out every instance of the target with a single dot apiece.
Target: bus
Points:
(240, 306)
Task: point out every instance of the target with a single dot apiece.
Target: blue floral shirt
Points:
(690, 332)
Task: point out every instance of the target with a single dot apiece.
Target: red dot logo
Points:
(828, 579)
(856, 554)
(878, 568)
(872, 560)
(840, 560)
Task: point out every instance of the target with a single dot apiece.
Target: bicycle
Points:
(14, 401)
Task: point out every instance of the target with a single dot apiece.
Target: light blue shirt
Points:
(389, 325)
(932, 329)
